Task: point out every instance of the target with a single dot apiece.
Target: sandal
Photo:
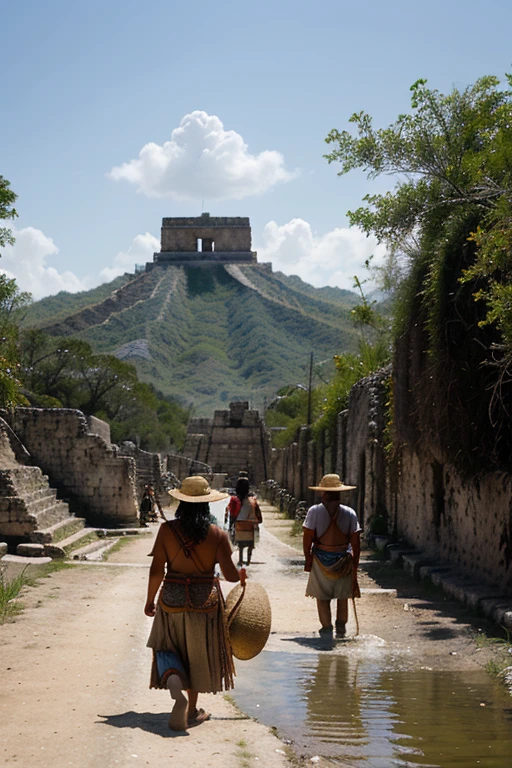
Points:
(200, 716)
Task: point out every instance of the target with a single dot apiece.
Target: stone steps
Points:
(29, 506)
(96, 550)
(34, 498)
(65, 546)
(30, 479)
(486, 599)
(58, 531)
(50, 515)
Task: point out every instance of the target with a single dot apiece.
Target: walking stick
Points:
(355, 615)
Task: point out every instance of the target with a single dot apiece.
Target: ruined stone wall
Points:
(466, 523)
(426, 503)
(98, 483)
(98, 427)
(149, 467)
(302, 464)
(362, 430)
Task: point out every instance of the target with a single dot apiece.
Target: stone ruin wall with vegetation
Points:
(420, 500)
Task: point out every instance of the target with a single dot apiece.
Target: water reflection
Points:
(370, 712)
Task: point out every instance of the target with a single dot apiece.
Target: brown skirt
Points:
(201, 640)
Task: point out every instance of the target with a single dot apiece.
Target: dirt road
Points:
(74, 666)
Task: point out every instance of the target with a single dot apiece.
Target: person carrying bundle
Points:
(245, 516)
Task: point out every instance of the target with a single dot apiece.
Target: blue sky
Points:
(253, 89)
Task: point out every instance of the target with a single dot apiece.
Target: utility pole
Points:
(310, 388)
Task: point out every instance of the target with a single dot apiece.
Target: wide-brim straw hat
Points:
(331, 483)
(196, 489)
(249, 620)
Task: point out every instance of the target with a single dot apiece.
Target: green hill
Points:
(207, 335)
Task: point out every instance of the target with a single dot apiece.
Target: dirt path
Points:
(75, 667)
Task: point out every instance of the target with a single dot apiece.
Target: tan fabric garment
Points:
(325, 587)
(197, 638)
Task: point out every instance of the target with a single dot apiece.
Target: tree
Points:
(453, 152)
(7, 211)
(450, 218)
(11, 300)
(64, 372)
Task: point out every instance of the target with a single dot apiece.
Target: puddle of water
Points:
(367, 713)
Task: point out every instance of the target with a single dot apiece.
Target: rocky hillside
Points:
(207, 335)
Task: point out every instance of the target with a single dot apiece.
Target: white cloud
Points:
(26, 261)
(331, 259)
(140, 251)
(202, 160)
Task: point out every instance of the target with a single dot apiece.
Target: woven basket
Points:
(249, 620)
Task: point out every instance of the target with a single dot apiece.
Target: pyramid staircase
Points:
(34, 519)
(31, 511)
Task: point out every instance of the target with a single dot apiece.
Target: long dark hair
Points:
(242, 488)
(194, 519)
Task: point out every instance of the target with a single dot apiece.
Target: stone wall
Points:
(98, 427)
(424, 501)
(89, 473)
(465, 523)
(361, 456)
(149, 467)
(302, 464)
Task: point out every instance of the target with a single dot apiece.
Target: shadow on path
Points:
(146, 721)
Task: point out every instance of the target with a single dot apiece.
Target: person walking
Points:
(189, 637)
(244, 516)
(331, 544)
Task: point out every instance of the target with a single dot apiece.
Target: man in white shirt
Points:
(331, 542)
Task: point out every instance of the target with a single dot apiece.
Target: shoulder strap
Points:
(186, 545)
(333, 520)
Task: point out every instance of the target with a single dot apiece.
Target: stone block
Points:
(3, 548)
(397, 551)
(30, 550)
(476, 594)
(413, 562)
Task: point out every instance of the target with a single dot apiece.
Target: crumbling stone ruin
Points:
(80, 462)
(234, 440)
(27, 502)
(203, 240)
(150, 467)
(414, 495)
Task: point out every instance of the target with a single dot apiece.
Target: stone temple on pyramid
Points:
(203, 240)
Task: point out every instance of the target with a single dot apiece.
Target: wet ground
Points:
(359, 706)
(405, 692)
(409, 690)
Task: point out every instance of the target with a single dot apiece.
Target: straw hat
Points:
(249, 619)
(196, 489)
(331, 483)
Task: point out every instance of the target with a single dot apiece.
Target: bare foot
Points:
(178, 718)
